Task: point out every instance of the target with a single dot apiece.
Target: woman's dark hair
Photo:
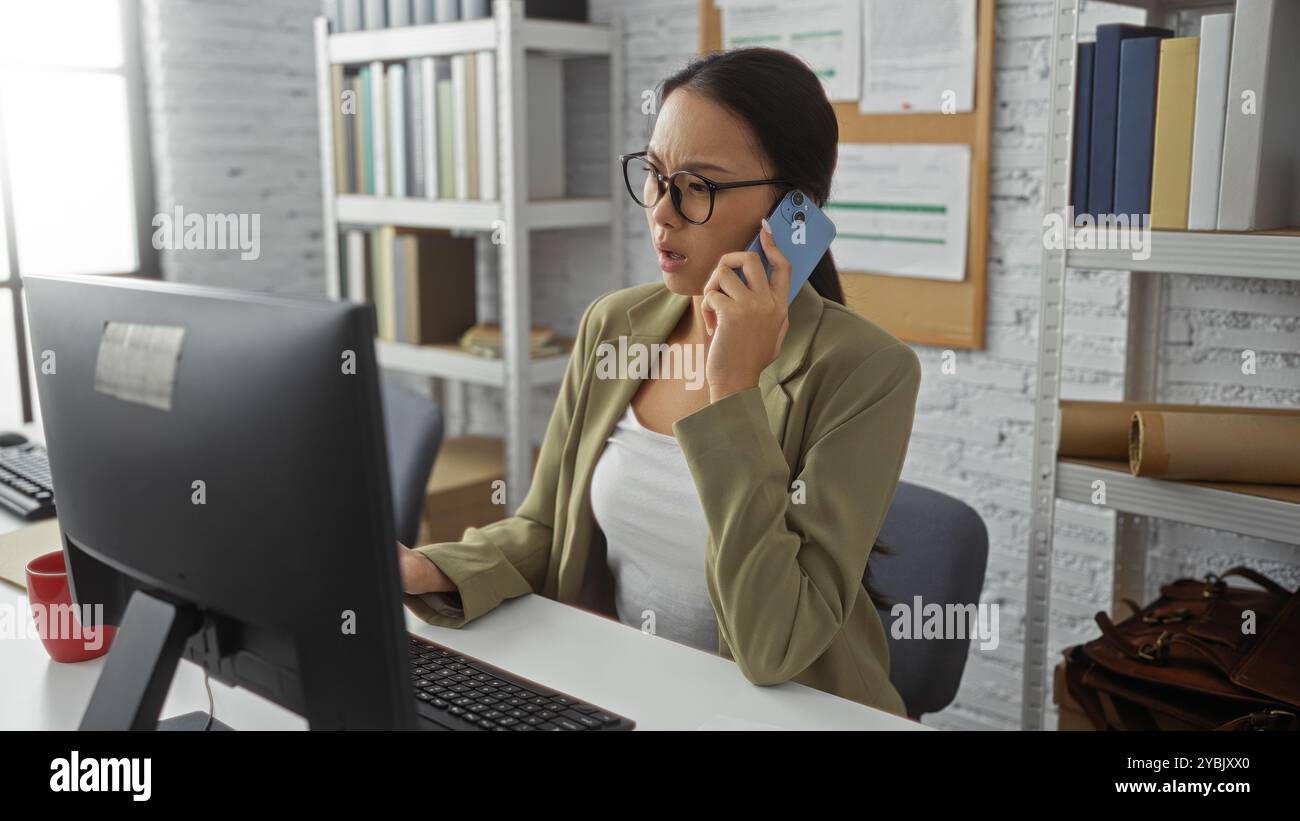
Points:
(786, 108)
(784, 104)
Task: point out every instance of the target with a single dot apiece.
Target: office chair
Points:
(940, 550)
(413, 428)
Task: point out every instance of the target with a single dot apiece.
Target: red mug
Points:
(67, 637)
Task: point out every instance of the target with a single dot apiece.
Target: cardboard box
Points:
(460, 492)
(1069, 715)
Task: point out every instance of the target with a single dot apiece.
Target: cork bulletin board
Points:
(924, 311)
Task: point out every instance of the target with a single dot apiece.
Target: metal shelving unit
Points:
(1274, 255)
(510, 35)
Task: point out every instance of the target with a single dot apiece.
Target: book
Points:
(355, 265)
(399, 13)
(475, 9)
(545, 126)
(415, 121)
(445, 11)
(422, 12)
(429, 129)
(365, 157)
(1082, 128)
(378, 117)
(375, 14)
(337, 85)
(1105, 110)
(487, 339)
(442, 287)
(464, 145)
(485, 79)
(350, 17)
(382, 281)
(446, 152)
(1259, 186)
(401, 301)
(1211, 113)
(1171, 161)
(1135, 122)
(395, 84)
(470, 126)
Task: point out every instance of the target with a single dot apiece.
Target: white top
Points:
(644, 499)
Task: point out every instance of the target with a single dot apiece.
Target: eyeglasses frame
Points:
(675, 195)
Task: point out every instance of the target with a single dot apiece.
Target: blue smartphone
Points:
(802, 232)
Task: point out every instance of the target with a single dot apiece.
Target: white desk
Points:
(659, 684)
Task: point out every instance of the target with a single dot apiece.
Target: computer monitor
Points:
(221, 472)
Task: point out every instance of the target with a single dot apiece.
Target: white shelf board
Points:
(480, 215)
(1185, 502)
(460, 366)
(412, 212)
(1267, 256)
(463, 36)
(404, 42)
(1172, 5)
(574, 212)
(562, 37)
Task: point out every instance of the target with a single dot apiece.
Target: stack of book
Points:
(355, 15)
(419, 128)
(1198, 133)
(421, 283)
(485, 339)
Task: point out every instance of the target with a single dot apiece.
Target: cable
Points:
(212, 710)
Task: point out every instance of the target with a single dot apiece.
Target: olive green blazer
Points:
(784, 561)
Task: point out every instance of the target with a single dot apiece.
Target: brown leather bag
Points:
(1184, 662)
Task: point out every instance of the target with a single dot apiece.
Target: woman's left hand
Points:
(748, 321)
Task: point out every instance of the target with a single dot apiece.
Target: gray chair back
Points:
(940, 550)
(413, 428)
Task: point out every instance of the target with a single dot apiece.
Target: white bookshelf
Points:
(1137, 500)
(510, 36)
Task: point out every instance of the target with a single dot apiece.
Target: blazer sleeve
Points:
(783, 574)
(509, 558)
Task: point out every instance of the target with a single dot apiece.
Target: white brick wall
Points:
(220, 147)
(232, 107)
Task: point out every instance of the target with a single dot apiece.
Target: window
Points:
(75, 189)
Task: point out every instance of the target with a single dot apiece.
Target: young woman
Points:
(735, 515)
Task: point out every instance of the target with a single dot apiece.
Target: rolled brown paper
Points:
(1259, 448)
(1100, 430)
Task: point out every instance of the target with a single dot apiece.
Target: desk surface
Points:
(658, 683)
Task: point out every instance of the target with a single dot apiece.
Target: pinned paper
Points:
(825, 34)
(902, 209)
(137, 363)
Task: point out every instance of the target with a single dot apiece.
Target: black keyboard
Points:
(25, 486)
(462, 693)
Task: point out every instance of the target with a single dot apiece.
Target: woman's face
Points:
(695, 134)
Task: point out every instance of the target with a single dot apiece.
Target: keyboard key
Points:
(605, 718)
(585, 709)
(546, 725)
(586, 721)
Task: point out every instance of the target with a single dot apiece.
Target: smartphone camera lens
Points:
(797, 199)
(798, 216)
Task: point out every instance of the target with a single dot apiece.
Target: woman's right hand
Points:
(419, 574)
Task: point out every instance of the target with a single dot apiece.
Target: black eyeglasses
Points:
(692, 194)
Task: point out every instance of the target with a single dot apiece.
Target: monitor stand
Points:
(197, 720)
(139, 668)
